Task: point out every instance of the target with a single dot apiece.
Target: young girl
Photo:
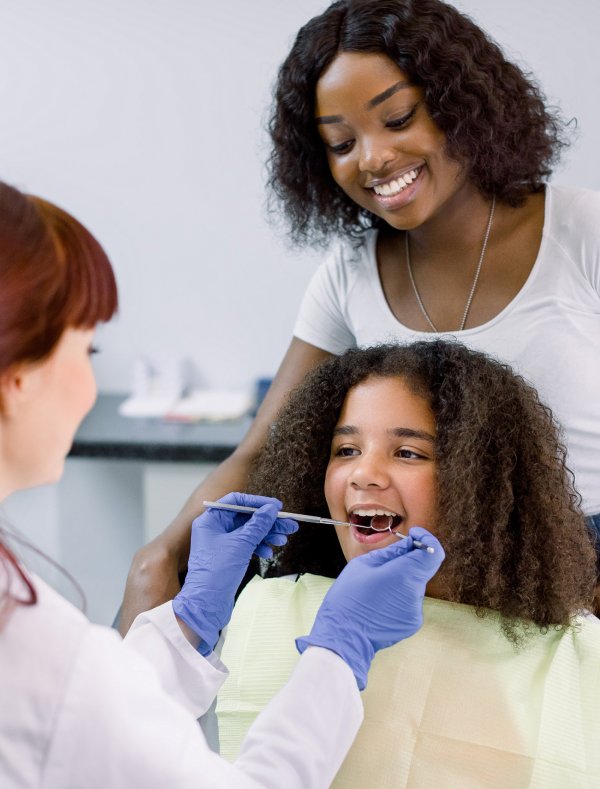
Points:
(402, 133)
(500, 686)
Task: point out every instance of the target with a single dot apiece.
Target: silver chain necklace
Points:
(475, 279)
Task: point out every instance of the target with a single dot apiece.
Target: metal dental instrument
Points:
(390, 520)
(217, 505)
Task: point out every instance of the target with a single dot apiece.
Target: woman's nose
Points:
(375, 154)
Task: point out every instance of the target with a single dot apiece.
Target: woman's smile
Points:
(399, 190)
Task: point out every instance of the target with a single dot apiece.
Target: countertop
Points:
(106, 434)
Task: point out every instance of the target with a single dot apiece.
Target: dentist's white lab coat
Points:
(79, 708)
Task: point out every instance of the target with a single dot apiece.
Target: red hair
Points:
(54, 275)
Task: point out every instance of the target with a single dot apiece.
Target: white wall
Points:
(144, 118)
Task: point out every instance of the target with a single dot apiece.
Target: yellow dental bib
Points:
(455, 706)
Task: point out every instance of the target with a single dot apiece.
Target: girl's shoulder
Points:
(586, 633)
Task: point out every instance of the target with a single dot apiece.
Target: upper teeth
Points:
(372, 513)
(397, 185)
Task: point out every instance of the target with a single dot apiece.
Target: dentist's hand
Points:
(222, 545)
(376, 601)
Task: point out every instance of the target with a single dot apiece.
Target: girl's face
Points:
(383, 149)
(42, 406)
(382, 462)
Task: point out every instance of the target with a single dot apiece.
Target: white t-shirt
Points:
(549, 333)
(79, 708)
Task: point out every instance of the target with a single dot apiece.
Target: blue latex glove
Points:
(376, 601)
(222, 545)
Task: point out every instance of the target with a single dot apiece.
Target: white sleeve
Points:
(309, 725)
(192, 682)
(576, 229)
(587, 211)
(321, 320)
(118, 727)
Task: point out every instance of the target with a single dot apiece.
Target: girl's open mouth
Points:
(370, 522)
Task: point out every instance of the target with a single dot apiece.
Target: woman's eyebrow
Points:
(384, 95)
(374, 102)
(330, 119)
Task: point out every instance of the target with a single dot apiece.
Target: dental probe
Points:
(217, 505)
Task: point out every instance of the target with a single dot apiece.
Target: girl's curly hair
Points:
(493, 115)
(515, 539)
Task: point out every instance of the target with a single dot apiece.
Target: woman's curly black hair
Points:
(494, 116)
(515, 539)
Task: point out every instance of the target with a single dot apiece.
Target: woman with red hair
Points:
(79, 709)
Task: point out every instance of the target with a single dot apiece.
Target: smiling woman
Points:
(391, 62)
(443, 437)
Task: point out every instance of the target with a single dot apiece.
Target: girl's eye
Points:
(346, 452)
(409, 454)
(93, 349)
(398, 123)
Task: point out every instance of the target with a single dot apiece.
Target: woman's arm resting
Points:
(154, 574)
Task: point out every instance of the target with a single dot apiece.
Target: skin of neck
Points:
(457, 225)
(6, 485)
(9, 481)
